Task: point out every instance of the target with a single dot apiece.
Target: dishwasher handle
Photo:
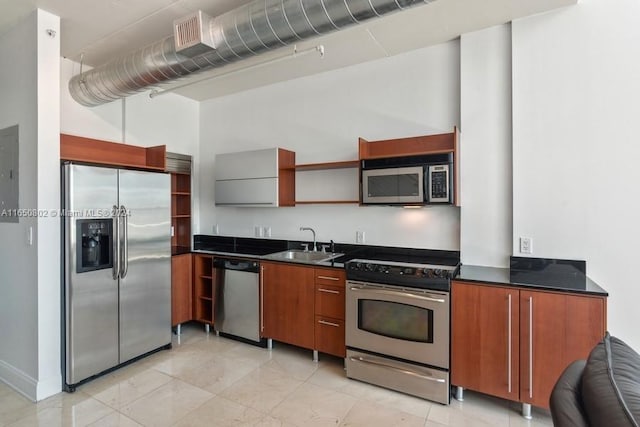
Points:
(237, 264)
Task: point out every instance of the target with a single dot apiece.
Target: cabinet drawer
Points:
(330, 301)
(330, 276)
(329, 336)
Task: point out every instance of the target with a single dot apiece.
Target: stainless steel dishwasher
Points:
(237, 300)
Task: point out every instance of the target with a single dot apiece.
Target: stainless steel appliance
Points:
(117, 268)
(410, 180)
(398, 326)
(439, 183)
(237, 310)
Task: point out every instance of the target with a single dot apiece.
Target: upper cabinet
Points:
(427, 169)
(259, 178)
(87, 150)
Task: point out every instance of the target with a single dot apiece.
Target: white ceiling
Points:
(104, 29)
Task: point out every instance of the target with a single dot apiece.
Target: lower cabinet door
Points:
(485, 339)
(329, 335)
(287, 303)
(181, 289)
(555, 330)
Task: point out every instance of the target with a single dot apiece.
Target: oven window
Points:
(396, 320)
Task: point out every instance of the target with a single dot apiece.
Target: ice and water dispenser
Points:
(95, 244)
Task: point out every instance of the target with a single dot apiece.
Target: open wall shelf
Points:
(347, 164)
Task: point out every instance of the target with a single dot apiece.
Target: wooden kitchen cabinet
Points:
(555, 330)
(417, 146)
(288, 303)
(485, 339)
(329, 311)
(181, 289)
(514, 343)
(181, 210)
(204, 281)
(262, 178)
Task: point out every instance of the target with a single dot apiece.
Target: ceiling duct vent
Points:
(201, 43)
(192, 34)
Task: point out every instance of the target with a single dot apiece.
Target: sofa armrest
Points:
(566, 401)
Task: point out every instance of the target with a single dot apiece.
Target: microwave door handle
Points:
(397, 293)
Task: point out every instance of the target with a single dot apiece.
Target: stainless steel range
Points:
(398, 326)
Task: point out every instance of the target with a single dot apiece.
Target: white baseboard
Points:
(19, 381)
(49, 387)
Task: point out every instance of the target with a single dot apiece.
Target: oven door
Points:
(393, 185)
(407, 323)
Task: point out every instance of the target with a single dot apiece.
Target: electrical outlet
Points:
(266, 231)
(526, 245)
(359, 236)
(258, 231)
(215, 229)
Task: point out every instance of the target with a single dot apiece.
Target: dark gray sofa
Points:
(604, 390)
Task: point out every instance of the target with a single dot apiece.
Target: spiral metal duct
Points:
(249, 30)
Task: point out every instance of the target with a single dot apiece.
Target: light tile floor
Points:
(207, 380)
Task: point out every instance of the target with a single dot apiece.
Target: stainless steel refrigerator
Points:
(117, 269)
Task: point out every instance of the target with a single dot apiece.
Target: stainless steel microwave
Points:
(410, 185)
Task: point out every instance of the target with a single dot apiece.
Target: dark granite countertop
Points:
(329, 263)
(503, 276)
(254, 248)
(552, 276)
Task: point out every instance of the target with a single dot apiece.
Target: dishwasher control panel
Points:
(237, 264)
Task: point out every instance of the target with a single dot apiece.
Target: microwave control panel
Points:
(439, 183)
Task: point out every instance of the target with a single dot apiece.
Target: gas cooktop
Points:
(431, 275)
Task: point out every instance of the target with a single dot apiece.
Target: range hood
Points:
(247, 31)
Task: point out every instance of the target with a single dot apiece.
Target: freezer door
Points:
(90, 297)
(145, 284)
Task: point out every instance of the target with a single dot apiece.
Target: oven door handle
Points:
(396, 369)
(397, 293)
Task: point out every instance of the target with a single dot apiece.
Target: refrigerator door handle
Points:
(125, 241)
(116, 243)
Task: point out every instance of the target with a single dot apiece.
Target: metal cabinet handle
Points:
(530, 347)
(328, 291)
(397, 293)
(115, 240)
(329, 278)
(395, 368)
(262, 298)
(324, 322)
(125, 239)
(509, 344)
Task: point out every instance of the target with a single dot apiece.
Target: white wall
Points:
(575, 150)
(18, 260)
(48, 232)
(29, 285)
(485, 159)
(320, 117)
(169, 120)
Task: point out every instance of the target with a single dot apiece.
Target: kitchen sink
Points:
(299, 255)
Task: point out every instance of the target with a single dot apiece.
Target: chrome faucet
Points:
(314, 236)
